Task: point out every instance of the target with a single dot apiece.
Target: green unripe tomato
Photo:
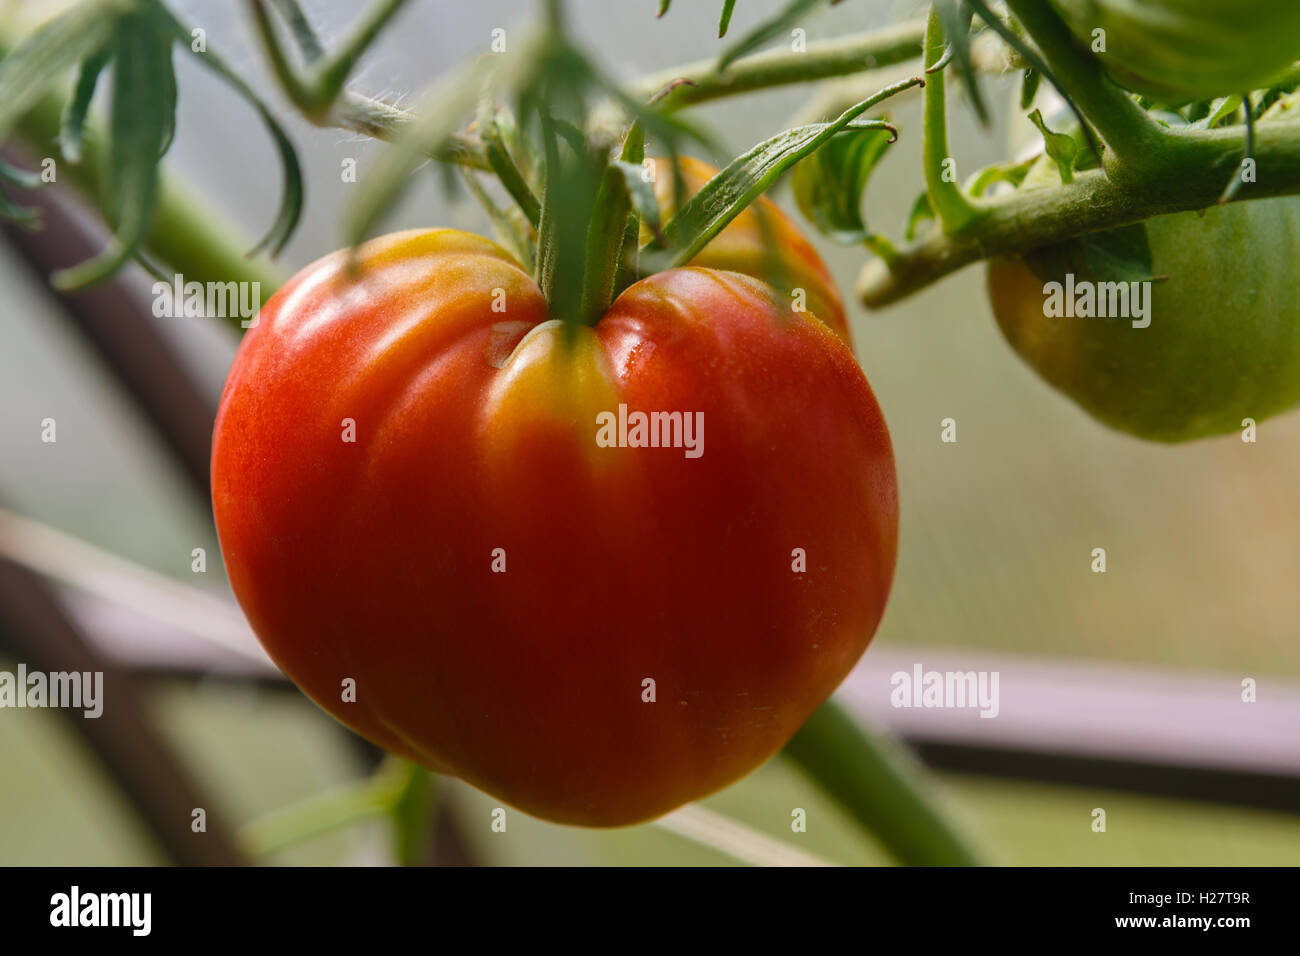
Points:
(1223, 340)
(1180, 50)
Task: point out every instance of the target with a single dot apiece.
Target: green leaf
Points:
(1061, 148)
(22, 178)
(503, 163)
(1115, 255)
(663, 7)
(768, 31)
(72, 126)
(728, 8)
(291, 193)
(829, 184)
(1013, 173)
(138, 128)
(641, 191)
(728, 193)
(41, 59)
(510, 227)
(9, 210)
(1029, 84)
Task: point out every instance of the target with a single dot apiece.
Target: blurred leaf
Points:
(1115, 255)
(1029, 84)
(22, 178)
(40, 60)
(291, 195)
(768, 31)
(829, 184)
(956, 20)
(304, 36)
(143, 104)
(440, 113)
(507, 169)
(510, 227)
(72, 125)
(728, 8)
(10, 211)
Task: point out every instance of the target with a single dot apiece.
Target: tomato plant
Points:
(595, 516)
(1180, 50)
(500, 586)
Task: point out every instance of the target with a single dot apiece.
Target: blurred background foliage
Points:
(1203, 540)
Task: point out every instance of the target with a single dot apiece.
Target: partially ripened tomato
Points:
(448, 523)
(1223, 339)
(1180, 50)
(762, 242)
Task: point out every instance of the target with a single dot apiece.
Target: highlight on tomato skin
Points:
(410, 496)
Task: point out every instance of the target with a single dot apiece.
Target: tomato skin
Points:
(1181, 50)
(745, 246)
(1224, 340)
(475, 430)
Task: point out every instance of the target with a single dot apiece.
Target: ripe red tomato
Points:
(499, 585)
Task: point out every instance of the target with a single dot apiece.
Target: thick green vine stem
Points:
(1189, 177)
(882, 786)
(955, 211)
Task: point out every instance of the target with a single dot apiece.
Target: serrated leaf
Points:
(1061, 148)
(728, 193)
(137, 130)
(72, 125)
(768, 31)
(829, 184)
(291, 192)
(41, 59)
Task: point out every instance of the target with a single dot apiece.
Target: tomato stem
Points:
(955, 210)
(882, 786)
